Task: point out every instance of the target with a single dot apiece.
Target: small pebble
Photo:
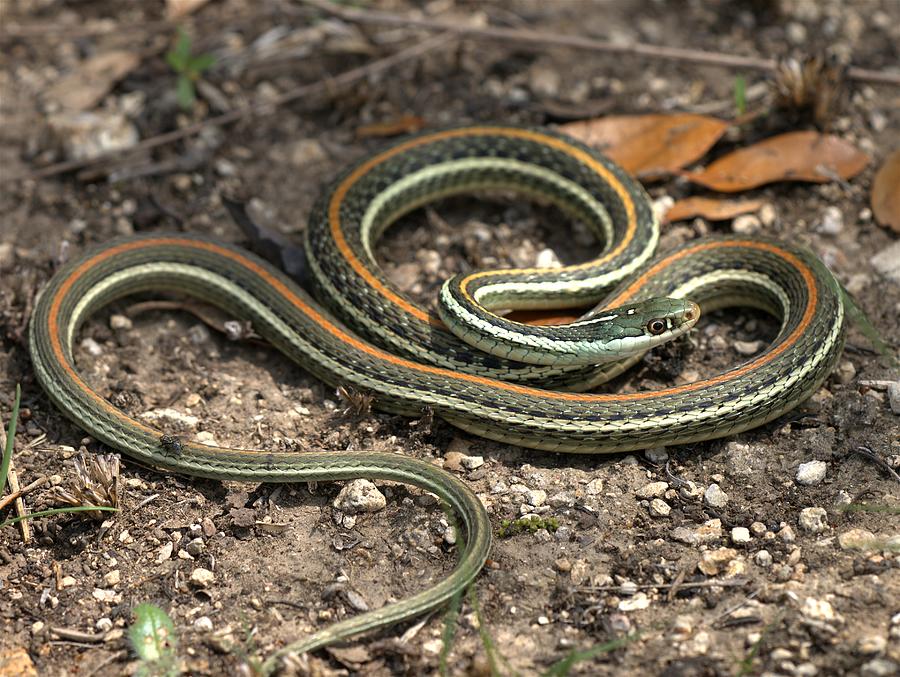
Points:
(811, 473)
(747, 348)
(202, 578)
(845, 373)
(203, 624)
(871, 645)
(536, 497)
(764, 559)
(112, 578)
(818, 609)
(814, 520)
(652, 490)
(714, 497)
(195, 547)
(879, 667)
(360, 496)
(832, 221)
(746, 224)
(104, 624)
(659, 508)
(712, 561)
(740, 535)
(472, 462)
(786, 534)
(757, 529)
(893, 391)
(856, 539)
(93, 348)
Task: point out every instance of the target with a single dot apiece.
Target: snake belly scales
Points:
(375, 340)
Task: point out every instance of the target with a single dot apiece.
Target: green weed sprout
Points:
(189, 68)
(152, 636)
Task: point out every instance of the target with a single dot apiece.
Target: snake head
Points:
(637, 327)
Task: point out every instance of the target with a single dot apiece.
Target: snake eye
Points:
(656, 327)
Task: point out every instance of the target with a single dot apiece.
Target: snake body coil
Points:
(421, 365)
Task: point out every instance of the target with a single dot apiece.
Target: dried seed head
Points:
(810, 86)
(96, 483)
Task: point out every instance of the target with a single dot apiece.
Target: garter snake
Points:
(418, 364)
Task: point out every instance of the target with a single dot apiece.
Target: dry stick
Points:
(329, 85)
(13, 479)
(15, 495)
(578, 42)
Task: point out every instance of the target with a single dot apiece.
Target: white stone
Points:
(652, 490)
(659, 508)
(811, 472)
(740, 535)
(203, 624)
(202, 578)
(715, 497)
(814, 520)
(360, 496)
(887, 262)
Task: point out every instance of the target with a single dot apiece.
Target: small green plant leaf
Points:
(180, 55)
(185, 92)
(740, 94)
(152, 635)
(201, 62)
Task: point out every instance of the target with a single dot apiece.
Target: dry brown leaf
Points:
(175, 9)
(886, 193)
(795, 156)
(710, 208)
(83, 89)
(405, 124)
(650, 145)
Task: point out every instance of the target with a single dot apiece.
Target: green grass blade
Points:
(562, 668)
(10, 438)
(57, 511)
(740, 94)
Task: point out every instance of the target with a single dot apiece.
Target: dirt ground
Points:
(645, 547)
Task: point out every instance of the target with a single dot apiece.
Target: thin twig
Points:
(325, 86)
(6, 500)
(77, 635)
(725, 614)
(530, 37)
(865, 452)
(13, 479)
(729, 583)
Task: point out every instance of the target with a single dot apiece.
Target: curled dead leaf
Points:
(650, 146)
(886, 193)
(794, 156)
(176, 9)
(94, 77)
(710, 208)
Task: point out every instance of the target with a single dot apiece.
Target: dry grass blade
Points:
(812, 87)
(96, 483)
(358, 403)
